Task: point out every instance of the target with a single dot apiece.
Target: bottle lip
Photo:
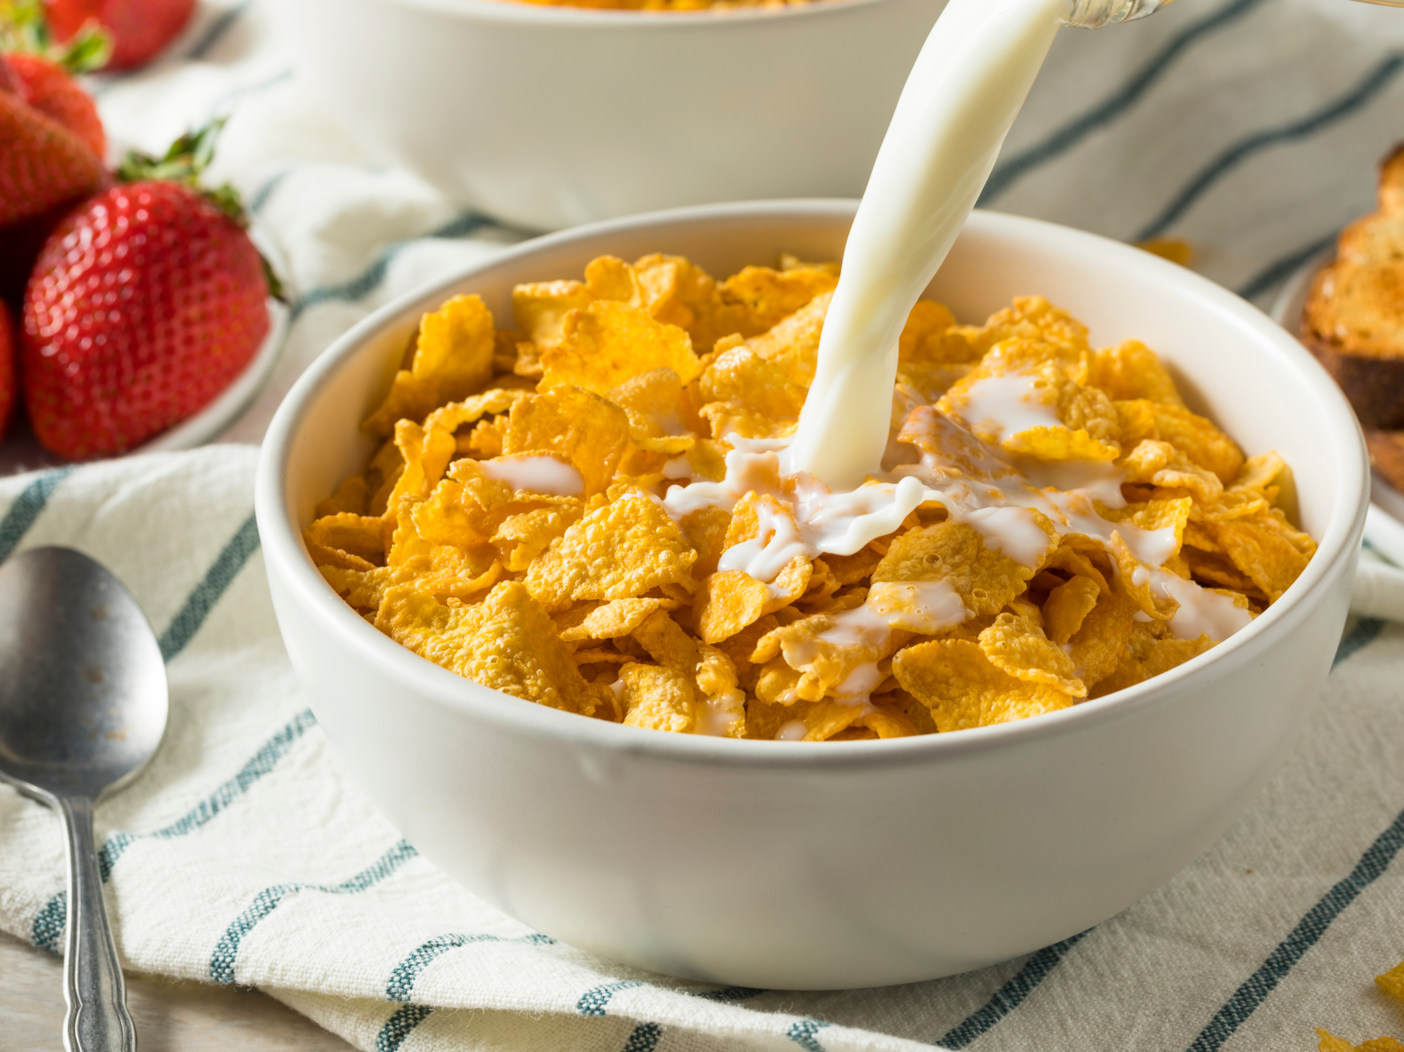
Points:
(1093, 14)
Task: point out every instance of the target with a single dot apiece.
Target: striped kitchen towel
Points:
(242, 855)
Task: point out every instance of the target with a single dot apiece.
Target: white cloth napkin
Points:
(243, 855)
(1247, 127)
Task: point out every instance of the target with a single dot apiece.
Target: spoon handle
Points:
(97, 1019)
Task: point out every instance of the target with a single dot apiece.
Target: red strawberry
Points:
(20, 244)
(49, 88)
(40, 77)
(7, 366)
(42, 163)
(139, 28)
(145, 303)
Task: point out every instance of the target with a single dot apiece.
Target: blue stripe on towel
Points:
(366, 282)
(211, 589)
(802, 1034)
(1303, 937)
(401, 985)
(400, 1025)
(1063, 139)
(1373, 83)
(644, 1038)
(222, 105)
(596, 1000)
(1360, 635)
(20, 515)
(215, 33)
(47, 929)
(1282, 268)
(260, 197)
(730, 994)
(402, 979)
(1009, 996)
(266, 901)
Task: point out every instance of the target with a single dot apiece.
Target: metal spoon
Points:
(82, 707)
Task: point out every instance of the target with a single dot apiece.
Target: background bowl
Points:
(826, 865)
(552, 116)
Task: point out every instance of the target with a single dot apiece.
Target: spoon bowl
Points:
(82, 684)
(83, 705)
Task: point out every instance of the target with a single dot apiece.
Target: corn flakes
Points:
(589, 510)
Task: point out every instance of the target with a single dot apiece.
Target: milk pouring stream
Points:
(966, 88)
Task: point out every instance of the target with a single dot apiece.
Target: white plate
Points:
(22, 451)
(1384, 523)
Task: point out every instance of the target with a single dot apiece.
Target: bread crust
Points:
(1353, 319)
(1373, 386)
(1387, 454)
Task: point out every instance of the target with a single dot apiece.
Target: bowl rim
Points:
(523, 12)
(1335, 556)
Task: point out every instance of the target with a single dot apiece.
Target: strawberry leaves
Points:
(184, 163)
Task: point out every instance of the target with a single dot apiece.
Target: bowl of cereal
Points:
(567, 620)
(548, 115)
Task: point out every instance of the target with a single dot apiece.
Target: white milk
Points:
(539, 474)
(964, 92)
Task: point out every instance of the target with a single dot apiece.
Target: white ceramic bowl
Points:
(825, 865)
(552, 116)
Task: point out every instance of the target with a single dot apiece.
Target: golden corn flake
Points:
(1018, 646)
(1200, 441)
(586, 429)
(1392, 981)
(831, 656)
(706, 530)
(729, 600)
(524, 536)
(1267, 549)
(607, 343)
(963, 689)
(1098, 646)
(349, 533)
(657, 697)
(985, 579)
(452, 359)
(1068, 605)
(506, 642)
(766, 376)
(1330, 1043)
(352, 495)
(618, 551)
(1131, 370)
(1082, 423)
(512, 524)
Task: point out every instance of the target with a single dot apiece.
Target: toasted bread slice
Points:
(1387, 455)
(1353, 320)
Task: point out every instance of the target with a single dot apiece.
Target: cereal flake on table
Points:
(588, 511)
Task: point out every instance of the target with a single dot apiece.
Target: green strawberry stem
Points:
(24, 29)
(184, 163)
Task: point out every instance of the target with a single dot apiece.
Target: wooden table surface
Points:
(169, 1016)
